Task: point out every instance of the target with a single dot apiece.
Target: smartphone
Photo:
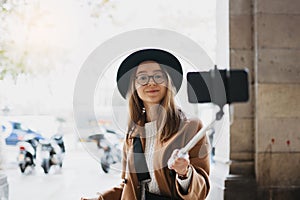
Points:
(218, 86)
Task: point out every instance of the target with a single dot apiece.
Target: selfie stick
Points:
(218, 100)
(183, 151)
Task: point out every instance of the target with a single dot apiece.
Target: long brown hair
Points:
(168, 114)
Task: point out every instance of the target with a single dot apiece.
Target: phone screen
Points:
(220, 87)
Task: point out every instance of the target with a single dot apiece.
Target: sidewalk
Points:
(81, 175)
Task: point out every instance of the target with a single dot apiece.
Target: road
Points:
(81, 175)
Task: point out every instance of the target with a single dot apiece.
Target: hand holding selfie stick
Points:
(182, 153)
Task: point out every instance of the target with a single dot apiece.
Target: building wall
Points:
(241, 56)
(265, 133)
(277, 47)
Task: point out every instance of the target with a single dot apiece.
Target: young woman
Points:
(149, 79)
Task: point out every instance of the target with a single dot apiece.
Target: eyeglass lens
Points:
(143, 79)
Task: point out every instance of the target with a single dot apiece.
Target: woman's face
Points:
(150, 83)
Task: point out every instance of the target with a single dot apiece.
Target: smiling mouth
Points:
(152, 91)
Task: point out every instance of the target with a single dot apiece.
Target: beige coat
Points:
(199, 159)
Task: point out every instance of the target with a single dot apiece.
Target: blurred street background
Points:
(43, 45)
(80, 176)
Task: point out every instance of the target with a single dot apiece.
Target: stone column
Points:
(241, 56)
(240, 183)
(277, 117)
(221, 139)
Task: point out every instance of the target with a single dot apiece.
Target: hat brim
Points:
(169, 62)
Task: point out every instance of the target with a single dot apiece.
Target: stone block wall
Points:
(277, 100)
(241, 56)
(265, 133)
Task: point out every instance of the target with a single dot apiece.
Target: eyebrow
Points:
(145, 72)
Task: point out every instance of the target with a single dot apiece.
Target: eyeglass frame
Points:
(149, 77)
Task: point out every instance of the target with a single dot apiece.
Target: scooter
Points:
(110, 145)
(27, 152)
(52, 152)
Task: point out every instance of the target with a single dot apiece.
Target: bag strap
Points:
(140, 164)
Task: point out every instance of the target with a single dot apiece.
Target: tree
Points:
(31, 38)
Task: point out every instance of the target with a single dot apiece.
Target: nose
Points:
(151, 80)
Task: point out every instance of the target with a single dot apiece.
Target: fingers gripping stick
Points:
(176, 154)
(183, 152)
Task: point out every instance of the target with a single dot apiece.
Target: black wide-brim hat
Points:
(168, 62)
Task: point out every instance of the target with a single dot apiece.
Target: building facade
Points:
(264, 159)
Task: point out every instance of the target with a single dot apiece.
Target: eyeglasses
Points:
(143, 79)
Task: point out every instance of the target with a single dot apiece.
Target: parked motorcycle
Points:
(110, 145)
(27, 152)
(52, 152)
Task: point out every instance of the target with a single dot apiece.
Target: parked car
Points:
(17, 131)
